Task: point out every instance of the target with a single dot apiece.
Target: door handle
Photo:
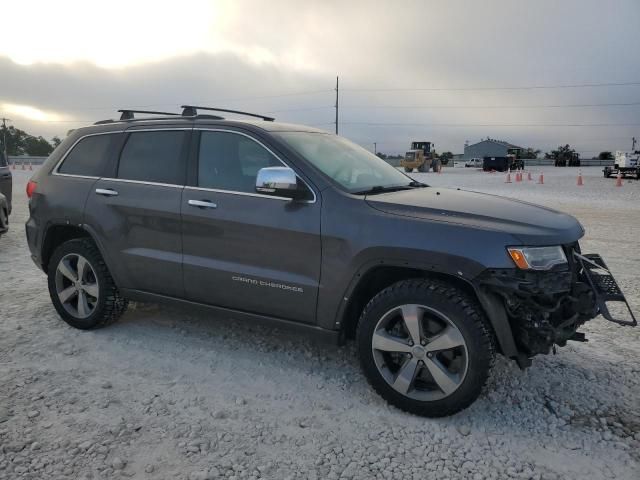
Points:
(107, 192)
(202, 204)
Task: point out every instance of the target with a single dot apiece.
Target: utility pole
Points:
(4, 137)
(337, 92)
(375, 148)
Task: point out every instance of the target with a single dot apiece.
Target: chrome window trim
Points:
(56, 169)
(174, 185)
(247, 194)
(251, 194)
(75, 176)
(142, 182)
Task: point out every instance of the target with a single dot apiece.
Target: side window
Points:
(153, 157)
(87, 157)
(229, 161)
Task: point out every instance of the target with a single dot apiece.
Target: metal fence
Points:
(584, 162)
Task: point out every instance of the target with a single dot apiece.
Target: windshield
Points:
(348, 164)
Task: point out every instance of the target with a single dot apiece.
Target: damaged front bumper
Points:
(546, 308)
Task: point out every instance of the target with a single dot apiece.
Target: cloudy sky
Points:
(445, 71)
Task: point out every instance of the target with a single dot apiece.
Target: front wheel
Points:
(408, 170)
(81, 287)
(425, 347)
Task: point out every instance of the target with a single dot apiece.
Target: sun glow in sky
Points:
(110, 34)
(120, 33)
(30, 113)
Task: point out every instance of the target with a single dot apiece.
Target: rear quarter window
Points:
(87, 157)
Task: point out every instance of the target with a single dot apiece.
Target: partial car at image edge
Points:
(6, 193)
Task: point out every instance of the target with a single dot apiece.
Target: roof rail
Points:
(192, 110)
(127, 114)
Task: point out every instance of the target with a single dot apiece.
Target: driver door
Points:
(242, 250)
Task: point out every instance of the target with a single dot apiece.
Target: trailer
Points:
(502, 164)
(625, 164)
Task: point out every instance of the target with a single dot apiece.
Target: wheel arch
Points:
(58, 233)
(374, 279)
(377, 276)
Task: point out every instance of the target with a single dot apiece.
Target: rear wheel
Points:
(408, 170)
(81, 287)
(425, 347)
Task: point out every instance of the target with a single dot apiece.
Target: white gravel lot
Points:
(166, 394)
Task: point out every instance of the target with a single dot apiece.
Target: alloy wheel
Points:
(420, 352)
(77, 285)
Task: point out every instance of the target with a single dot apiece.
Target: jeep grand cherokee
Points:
(285, 223)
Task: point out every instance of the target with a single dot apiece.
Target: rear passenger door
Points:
(135, 211)
(243, 250)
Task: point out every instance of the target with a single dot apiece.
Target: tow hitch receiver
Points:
(604, 286)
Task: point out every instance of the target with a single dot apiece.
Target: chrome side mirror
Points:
(279, 182)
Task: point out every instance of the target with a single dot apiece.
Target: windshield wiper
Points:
(417, 184)
(391, 188)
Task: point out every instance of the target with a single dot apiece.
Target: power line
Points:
(417, 107)
(304, 109)
(523, 87)
(4, 137)
(149, 105)
(373, 124)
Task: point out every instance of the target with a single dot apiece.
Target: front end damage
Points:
(546, 308)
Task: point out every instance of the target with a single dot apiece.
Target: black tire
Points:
(462, 311)
(423, 168)
(408, 170)
(110, 305)
(4, 221)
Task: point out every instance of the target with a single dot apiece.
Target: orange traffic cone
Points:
(508, 180)
(619, 180)
(541, 179)
(529, 176)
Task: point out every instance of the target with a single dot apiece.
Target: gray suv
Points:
(297, 227)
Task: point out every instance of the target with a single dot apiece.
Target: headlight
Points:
(537, 258)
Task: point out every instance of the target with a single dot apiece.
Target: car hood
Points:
(529, 223)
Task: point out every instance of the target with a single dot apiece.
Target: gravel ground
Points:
(167, 394)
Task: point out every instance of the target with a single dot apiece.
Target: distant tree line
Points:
(20, 142)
